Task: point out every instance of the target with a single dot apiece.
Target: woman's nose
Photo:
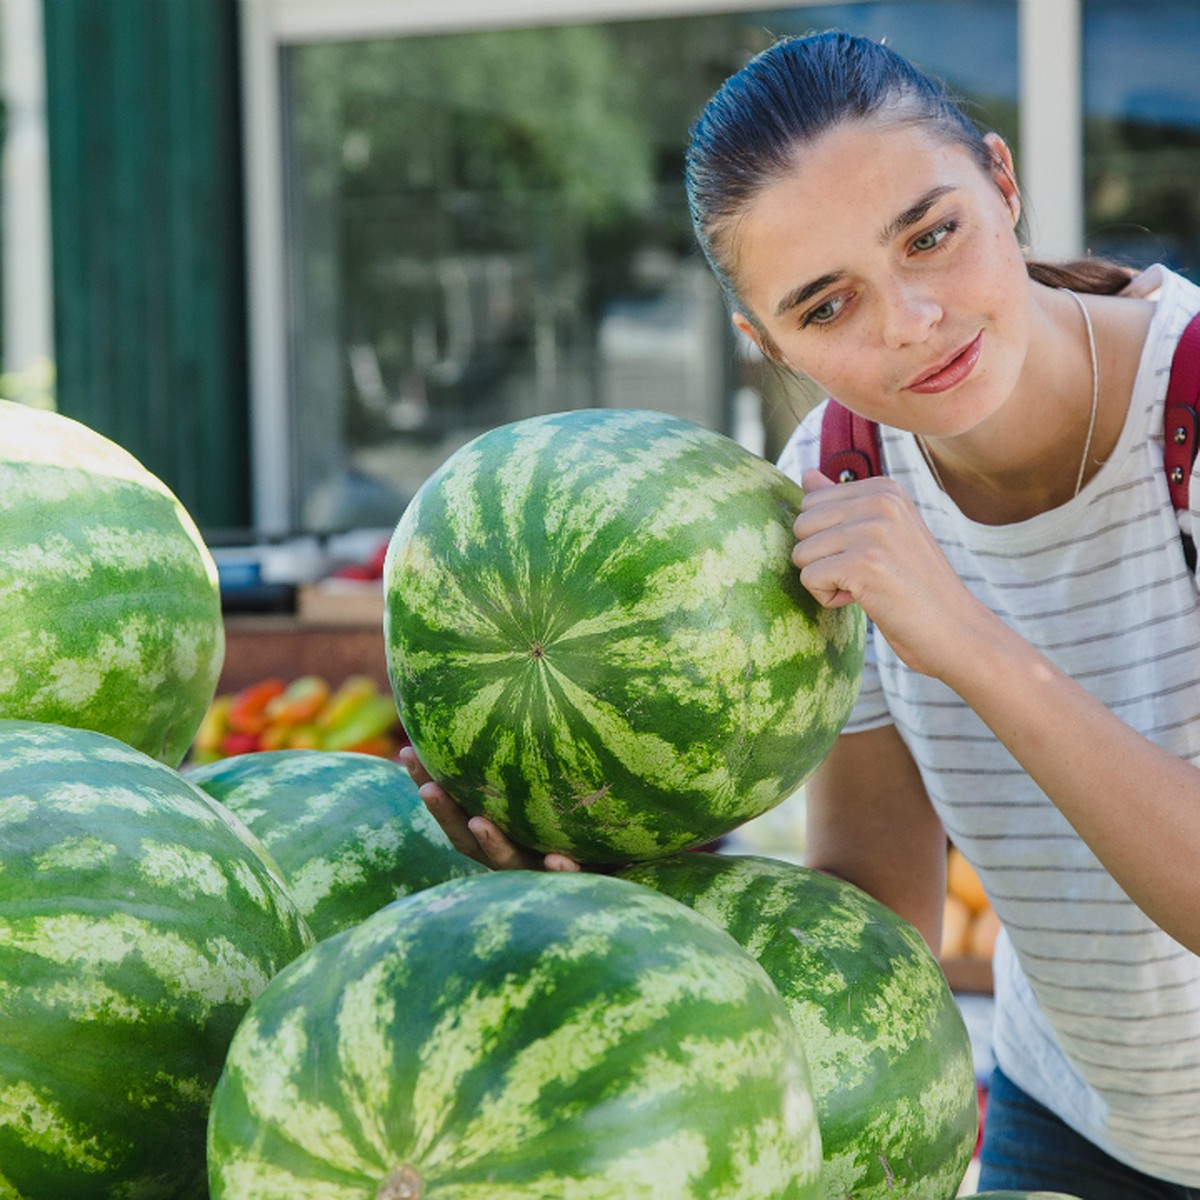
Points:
(910, 314)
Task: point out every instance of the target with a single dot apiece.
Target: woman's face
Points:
(885, 266)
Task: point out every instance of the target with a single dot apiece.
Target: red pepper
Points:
(239, 743)
(248, 713)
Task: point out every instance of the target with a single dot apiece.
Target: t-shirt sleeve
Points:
(803, 450)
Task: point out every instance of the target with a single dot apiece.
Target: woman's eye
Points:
(824, 312)
(931, 239)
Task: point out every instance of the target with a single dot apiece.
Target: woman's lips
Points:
(951, 372)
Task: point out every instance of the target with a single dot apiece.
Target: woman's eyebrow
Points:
(914, 213)
(798, 295)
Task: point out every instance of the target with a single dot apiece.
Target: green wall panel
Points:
(146, 211)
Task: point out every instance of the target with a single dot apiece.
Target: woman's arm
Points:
(1136, 805)
(870, 822)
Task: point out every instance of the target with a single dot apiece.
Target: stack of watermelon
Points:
(139, 917)
(596, 639)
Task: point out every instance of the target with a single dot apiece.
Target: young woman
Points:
(1033, 686)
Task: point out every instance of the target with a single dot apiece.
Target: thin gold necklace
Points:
(1087, 445)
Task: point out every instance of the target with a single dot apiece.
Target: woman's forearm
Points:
(1136, 805)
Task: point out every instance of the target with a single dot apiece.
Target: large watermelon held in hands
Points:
(110, 609)
(348, 831)
(892, 1069)
(138, 919)
(512, 1036)
(597, 639)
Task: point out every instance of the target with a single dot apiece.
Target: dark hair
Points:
(747, 136)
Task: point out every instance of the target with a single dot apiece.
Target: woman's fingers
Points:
(500, 853)
(412, 764)
(833, 528)
(454, 822)
(476, 837)
(866, 542)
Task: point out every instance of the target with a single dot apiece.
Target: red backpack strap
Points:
(1181, 421)
(849, 445)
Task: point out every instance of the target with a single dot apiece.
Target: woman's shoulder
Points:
(1163, 287)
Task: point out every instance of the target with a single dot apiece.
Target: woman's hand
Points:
(866, 543)
(476, 837)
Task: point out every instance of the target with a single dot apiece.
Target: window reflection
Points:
(485, 226)
(1142, 131)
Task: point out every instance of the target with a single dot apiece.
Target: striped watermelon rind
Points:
(518, 1034)
(349, 831)
(597, 639)
(138, 919)
(110, 609)
(890, 1057)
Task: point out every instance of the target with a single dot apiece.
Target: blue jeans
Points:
(1025, 1146)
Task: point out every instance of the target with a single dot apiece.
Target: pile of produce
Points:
(305, 713)
(269, 976)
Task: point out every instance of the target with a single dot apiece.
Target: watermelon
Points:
(892, 1069)
(348, 831)
(110, 610)
(514, 1035)
(597, 639)
(138, 919)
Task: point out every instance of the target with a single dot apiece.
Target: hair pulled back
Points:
(749, 133)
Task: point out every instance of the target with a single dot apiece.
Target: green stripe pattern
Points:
(349, 831)
(518, 1035)
(138, 919)
(892, 1069)
(596, 637)
(110, 609)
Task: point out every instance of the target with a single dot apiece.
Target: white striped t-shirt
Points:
(1097, 1009)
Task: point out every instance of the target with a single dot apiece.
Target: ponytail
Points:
(1092, 276)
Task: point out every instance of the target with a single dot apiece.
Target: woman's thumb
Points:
(813, 481)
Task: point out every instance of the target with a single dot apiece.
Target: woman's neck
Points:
(1027, 459)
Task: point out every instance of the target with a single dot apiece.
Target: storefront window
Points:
(1142, 143)
(484, 226)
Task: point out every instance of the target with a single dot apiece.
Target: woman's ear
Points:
(1004, 174)
(766, 347)
(742, 324)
